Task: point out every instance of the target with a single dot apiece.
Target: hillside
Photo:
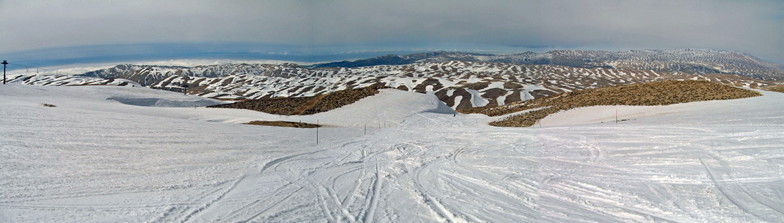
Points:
(644, 94)
(304, 105)
(459, 84)
(776, 88)
(694, 61)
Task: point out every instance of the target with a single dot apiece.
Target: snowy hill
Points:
(693, 61)
(89, 159)
(458, 84)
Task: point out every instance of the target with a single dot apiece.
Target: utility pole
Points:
(5, 63)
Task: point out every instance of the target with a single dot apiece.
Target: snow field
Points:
(96, 160)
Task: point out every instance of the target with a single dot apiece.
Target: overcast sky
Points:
(752, 26)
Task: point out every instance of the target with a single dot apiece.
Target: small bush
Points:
(48, 105)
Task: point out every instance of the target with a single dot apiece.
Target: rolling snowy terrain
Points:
(131, 154)
(459, 84)
(696, 61)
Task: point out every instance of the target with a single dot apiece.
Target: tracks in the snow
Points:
(528, 178)
(738, 193)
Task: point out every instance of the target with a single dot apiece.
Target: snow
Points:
(677, 113)
(457, 101)
(502, 99)
(496, 84)
(476, 98)
(96, 160)
(388, 108)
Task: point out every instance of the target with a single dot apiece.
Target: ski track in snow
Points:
(73, 163)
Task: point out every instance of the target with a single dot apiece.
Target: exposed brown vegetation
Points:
(422, 87)
(48, 105)
(228, 99)
(304, 105)
(477, 86)
(464, 103)
(340, 98)
(512, 85)
(492, 96)
(778, 88)
(515, 96)
(284, 124)
(654, 93)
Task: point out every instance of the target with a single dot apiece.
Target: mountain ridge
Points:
(459, 84)
(698, 61)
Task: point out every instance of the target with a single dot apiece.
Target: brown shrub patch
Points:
(654, 93)
(511, 85)
(779, 88)
(280, 106)
(422, 87)
(477, 86)
(284, 124)
(304, 105)
(492, 95)
(514, 97)
(541, 93)
(340, 98)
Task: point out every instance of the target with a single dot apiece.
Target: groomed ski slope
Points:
(96, 160)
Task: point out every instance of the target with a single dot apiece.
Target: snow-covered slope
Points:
(694, 112)
(95, 160)
(389, 108)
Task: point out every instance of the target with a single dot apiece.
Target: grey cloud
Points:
(751, 26)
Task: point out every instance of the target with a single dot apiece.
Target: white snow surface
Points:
(90, 159)
(694, 112)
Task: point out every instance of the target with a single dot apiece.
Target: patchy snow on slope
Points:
(90, 159)
(476, 98)
(676, 113)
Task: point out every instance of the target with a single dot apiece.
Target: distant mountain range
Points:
(461, 80)
(694, 61)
